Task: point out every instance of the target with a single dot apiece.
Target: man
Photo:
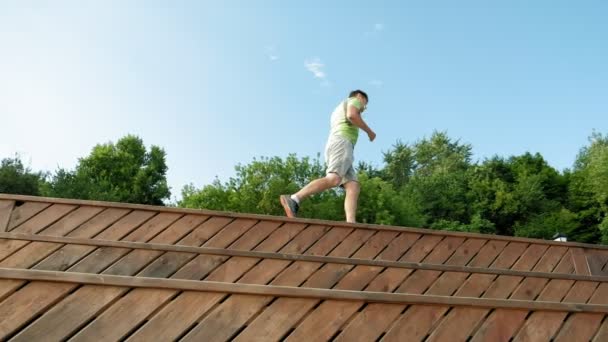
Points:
(346, 121)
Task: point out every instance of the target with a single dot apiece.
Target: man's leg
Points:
(352, 190)
(338, 157)
(291, 204)
(332, 180)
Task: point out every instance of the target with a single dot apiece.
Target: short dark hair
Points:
(355, 92)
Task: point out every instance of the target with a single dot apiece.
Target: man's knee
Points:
(334, 179)
(352, 187)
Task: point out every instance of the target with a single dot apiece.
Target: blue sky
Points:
(217, 83)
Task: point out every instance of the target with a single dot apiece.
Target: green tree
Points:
(510, 192)
(432, 172)
(544, 225)
(399, 164)
(122, 172)
(588, 190)
(257, 186)
(15, 178)
(380, 203)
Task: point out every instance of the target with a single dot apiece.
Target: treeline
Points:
(429, 183)
(121, 172)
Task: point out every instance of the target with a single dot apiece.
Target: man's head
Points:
(361, 95)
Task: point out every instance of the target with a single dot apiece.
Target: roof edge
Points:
(26, 198)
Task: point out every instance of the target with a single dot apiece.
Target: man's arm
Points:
(354, 116)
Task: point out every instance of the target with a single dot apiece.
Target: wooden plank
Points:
(566, 265)
(417, 282)
(183, 311)
(551, 259)
(112, 224)
(8, 247)
(390, 279)
(233, 268)
(460, 322)
(512, 252)
(268, 325)
(580, 261)
(530, 257)
(36, 224)
(415, 327)
(579, 327)
(366, 248)
(24, 212)
(597, 260)
(602, 333)
(33, 252)
(417, 320)
(71, 221)
(191, 265)
(466, 252)
(118, 320)
(488, 253)
(67, 316)
(468, 318)
(300, 220)
(103, 257)
(6, 209)
(121, 319)
(95, 261)
(420, 280)
(290, 291)
(376, 317)
(64, 259)
(184, 231)
(93, 226)
(44, 218)
(323, 259)
(255, 235)
(396, 248)
(543, 325)
(421, 248)
(241, 308)
(502, 323)
(24, 305)
(583, 326)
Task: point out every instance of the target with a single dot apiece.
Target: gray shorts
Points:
(339, 158)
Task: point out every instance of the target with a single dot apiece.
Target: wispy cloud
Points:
(376, 83)
(271, 53)
(315, 66)
(376, 29)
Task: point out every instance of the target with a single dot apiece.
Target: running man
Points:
(346, 121)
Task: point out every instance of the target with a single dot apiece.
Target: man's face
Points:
(363, 101)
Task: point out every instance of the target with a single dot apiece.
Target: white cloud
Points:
(271, 53)
(315, 66)
(376, 83)
(376, 29)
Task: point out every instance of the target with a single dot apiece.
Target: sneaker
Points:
(291, 207)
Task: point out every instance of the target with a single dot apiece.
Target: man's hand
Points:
(371, 135)
(354, 116)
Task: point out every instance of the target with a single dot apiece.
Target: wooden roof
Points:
(83, 270)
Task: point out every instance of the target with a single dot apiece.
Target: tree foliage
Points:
(121, 172)
(432, 182)
(15, 178)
